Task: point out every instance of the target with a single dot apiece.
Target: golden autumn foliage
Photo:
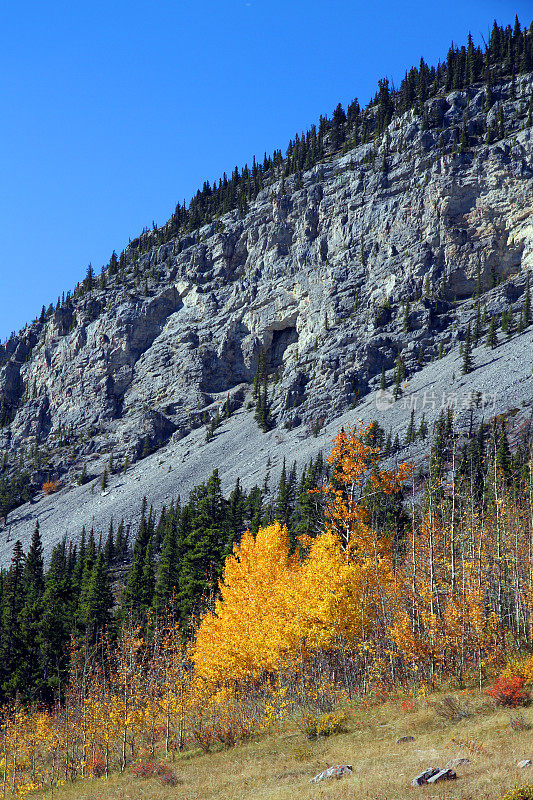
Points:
(346, 611)
(275, 608)
(356, 475)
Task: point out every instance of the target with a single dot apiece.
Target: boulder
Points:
(443, 775)
(404, 739)
(333, 772)
(423, 778)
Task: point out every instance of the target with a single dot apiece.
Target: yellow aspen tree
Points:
(242, 637)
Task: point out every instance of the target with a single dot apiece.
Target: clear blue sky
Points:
(113, 111)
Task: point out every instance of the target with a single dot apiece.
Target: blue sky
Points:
(113, 111)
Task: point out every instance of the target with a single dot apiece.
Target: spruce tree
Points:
(259, 374)
(464, 141)
(526, 305)
(423, 429)
(96, 602)
(11, 641)
(477, 324)
(407, 317)
(468, 361)
(109, 547)
(282, 507)
(262, 411)
(34, 567)
(503, 454)
(121, 541)
(492, 339)
(148, 576)
(167, 573)
(205, 534)
(411, 429)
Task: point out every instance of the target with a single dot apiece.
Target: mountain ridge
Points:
(331, 275)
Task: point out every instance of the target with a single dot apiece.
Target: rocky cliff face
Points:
(316, 275)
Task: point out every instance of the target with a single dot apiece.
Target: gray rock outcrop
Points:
(333, 772)
(330, 279)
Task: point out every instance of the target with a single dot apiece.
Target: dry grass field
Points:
(280, 764)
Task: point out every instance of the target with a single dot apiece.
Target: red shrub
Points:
(49, 487)
(509, 690)
(145, 769)
(96, 767)
(408, 705)
(154, 769)
(167, 777)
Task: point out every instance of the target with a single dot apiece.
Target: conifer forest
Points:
(396, 557)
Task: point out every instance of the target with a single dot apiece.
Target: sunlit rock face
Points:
(317, 278)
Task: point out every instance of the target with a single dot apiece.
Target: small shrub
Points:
(472, 745)
(154, 769)
(519, 723)
(451, 709)
(167, 777)
(302, 753)
(144, 769)
(520, 665)
(519, 793)
(96, 767)
(49, 487)
(407, 705)
(324, 724)
(509, 691)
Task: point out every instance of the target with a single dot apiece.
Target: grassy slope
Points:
(280, 765)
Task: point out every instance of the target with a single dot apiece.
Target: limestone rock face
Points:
(316, 277)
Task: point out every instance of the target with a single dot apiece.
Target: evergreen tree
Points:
(262, 411)
(526, 305)
(34, 567)
(167, 572)
(148, 576)
(503, 454)
(282, 507)
(492, 339)
(260, 374)
(423, 429)
(477, 324)
(11, 641)
(407, 317)
(411, 429)
(464, 142)
(121, 541)
(468, 361)
(96, 601)
(89, 279)
(206, 541)
(133, 590)
(109, 547)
